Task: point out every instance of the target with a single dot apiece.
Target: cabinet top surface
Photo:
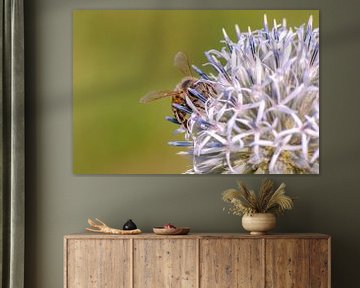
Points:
(86, 235)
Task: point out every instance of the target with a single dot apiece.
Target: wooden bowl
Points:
(171, 231)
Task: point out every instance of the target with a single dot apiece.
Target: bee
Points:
(196, 92)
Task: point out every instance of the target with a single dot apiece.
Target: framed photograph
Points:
(196, 92)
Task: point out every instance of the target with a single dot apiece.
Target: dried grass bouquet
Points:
(268, 200)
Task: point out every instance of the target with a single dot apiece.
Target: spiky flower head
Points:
(264, 116)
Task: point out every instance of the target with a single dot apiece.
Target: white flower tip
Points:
(249, 29)
(225, 34)
(275, 24)
(265, 20)
(238, 32)
(310, 21)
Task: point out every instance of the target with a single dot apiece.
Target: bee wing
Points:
(182, 62)
(155, 95)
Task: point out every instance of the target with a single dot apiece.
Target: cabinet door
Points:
(287, 263)
(165, 263)
(231, 263)
(98, 263)
(320, 263)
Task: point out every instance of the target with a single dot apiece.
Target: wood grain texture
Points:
(197, 260)
(166, 263)
(98, 264)
(319, 263)
(231, 263)
(287, 263)
(88, 235)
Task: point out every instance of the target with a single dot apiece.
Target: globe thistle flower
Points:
(264, 117)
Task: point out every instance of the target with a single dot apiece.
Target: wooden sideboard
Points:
(197, 260)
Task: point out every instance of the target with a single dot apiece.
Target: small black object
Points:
(129, 225)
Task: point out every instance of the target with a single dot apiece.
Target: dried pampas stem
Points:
(101, 227)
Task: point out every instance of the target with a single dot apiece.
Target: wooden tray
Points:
(171, 231)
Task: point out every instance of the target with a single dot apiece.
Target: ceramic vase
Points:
(259, 223)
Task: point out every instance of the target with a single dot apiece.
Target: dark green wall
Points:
(59, 202)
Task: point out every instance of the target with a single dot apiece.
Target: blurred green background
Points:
(120, 55)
